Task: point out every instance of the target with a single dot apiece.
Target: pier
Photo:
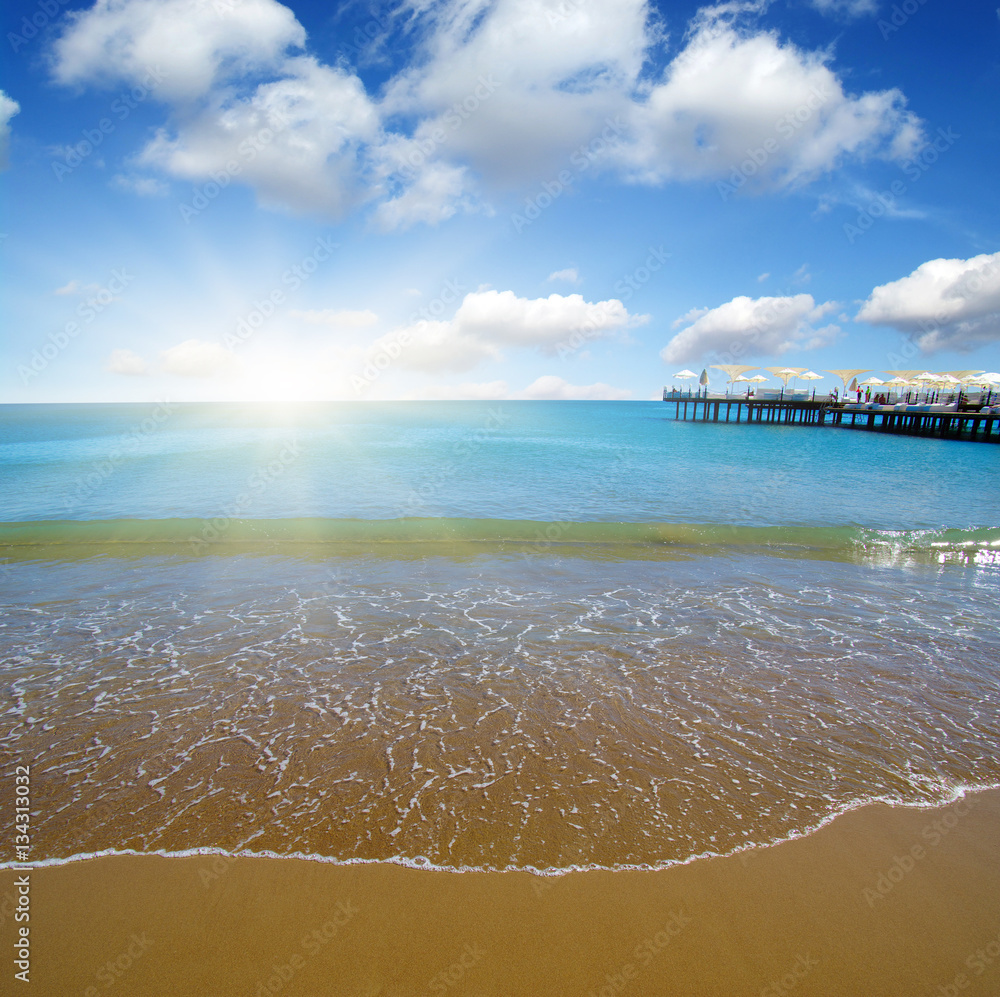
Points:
(941, 421)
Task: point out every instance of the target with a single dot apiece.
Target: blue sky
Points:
(236, 199)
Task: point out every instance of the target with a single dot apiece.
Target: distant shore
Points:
(882, 901)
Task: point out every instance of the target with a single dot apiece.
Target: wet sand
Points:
(879, 902)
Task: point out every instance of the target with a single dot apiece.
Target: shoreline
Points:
(880, 900)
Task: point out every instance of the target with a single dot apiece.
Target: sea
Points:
(485, 635)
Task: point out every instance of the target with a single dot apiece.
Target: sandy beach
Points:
(881, 901)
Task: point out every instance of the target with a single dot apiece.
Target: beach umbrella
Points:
(733, 370)
(897, 383)
(703, 380)
(924, 379)
(811, 375)
(846, 375)
(961, 375)
(785, 372)
(906, 375)
(871, 381)
(683, 375)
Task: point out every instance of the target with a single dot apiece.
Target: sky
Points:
(491, 199)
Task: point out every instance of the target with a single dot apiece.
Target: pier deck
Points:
(943, 421)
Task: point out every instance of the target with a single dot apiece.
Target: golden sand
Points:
(879, 902)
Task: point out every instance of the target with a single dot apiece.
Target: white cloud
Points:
(488, 321)
(507, 320)
(550, 386)
(337, 319)
(295, 141)
(747, 327)
(499, 95)
(143, 186)
(763, 277)
(437, 193)
(191, 44)
(943, 304)
(433, 347)
(514, 86)
(197, 358)
(128, 363)
(850, 8)
(8, 108)
(76, 287)
(744, 108)
(569, 275)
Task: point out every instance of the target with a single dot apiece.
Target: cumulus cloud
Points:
(191, 44)
(569, 275)
(745, 109)
(549, 386)
(747, 327)
(128, 363)
(943, 304)
(8, 108)
(296, 140)
(488, 321)
(337, 319)
(197, 358)
(438, 192)
(498, 95)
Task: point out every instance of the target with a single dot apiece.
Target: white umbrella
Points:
(703, 380)
(811, 375)
(683, 375)
(871, 381)
(847, 374)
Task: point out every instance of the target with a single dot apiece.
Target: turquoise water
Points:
(539, 461)
(472, 635)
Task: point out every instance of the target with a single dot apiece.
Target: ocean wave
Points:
(947, 797)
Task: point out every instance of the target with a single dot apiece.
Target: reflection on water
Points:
(490, 710)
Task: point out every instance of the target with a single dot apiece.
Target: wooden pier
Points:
(946, 422)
